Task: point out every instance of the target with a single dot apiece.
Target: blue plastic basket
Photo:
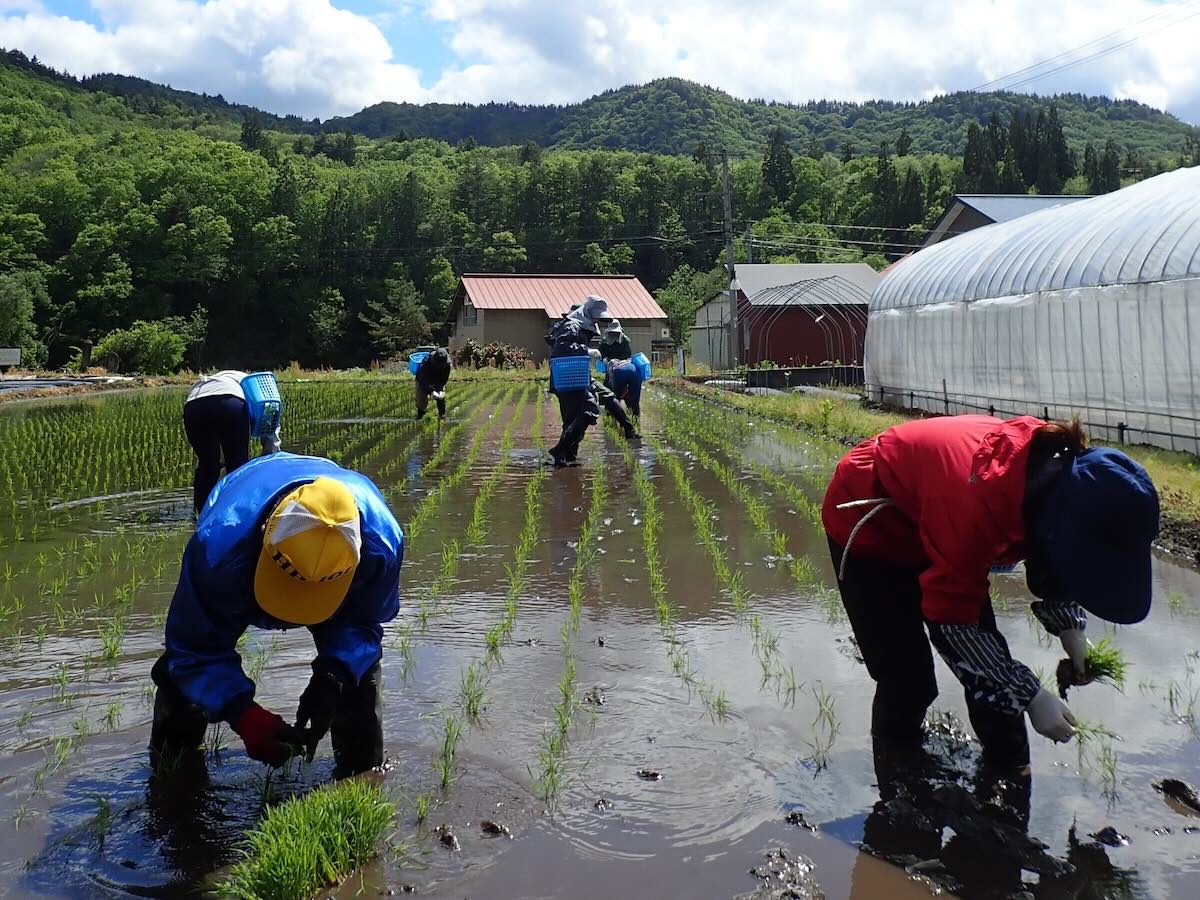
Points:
(571, 373)
(643, 366)
(263, 403)
(415, 360)
(601, 367)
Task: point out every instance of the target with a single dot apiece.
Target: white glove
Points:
(439, 395)
(593, 353)
(1075, 644)
(1050, 717)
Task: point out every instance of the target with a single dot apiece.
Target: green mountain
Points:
(673, 116)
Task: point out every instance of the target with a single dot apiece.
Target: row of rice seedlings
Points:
(714, 698)
(551, 773)
(825, 728)
(766, 643)
(431, 501)
(473, 687)
(801, 567)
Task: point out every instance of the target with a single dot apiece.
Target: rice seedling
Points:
(423, 804)
(1175, 601)
(19, 815)
(311, 842)
(112, 637)
(471, 691)
(1105, 662)
(445, 762)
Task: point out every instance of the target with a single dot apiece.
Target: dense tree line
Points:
(254, 246)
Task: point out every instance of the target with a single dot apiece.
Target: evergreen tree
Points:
(396, 320)
(886, 199)
(252, 137)
(1010, 180)
(1091, 168)
(848, 151)
(910, 209)
(904, 143)
(816, 147)
(777, 167)
(1110, 169)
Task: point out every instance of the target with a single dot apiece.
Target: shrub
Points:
(151, 348)
(311, 842)
(497, 355)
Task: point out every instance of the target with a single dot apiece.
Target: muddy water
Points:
(81, 817)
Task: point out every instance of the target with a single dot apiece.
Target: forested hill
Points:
(669, 116)
(673, 116)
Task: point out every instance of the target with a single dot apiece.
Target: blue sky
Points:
(333, 57)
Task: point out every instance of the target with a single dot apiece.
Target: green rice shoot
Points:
(1106, 662)
(311, 842)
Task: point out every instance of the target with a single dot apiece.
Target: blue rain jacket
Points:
(626, 381)
(214, 600)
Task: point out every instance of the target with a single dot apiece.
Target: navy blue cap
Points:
(1096, 527)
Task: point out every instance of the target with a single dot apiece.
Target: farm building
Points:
(791, 315)
(1091, 308)
(518, 309)
(970, 211)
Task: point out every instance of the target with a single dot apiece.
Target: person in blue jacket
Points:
(625, 381)
(284, 541)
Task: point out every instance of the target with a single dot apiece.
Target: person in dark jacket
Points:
(285, 541)
(217, 425)
(579, 408)
(432, 375)
(919, 515)
(615, 344)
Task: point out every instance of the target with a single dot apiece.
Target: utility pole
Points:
(733, 311)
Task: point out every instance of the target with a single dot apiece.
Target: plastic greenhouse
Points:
(1090, 309)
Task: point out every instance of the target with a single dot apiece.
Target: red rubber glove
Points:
(267, 737)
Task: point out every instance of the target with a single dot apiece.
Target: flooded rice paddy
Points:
(637, 668)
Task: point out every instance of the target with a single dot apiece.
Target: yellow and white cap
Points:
(311, 547)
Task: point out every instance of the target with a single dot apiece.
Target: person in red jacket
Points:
(918, 516)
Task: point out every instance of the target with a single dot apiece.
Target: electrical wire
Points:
(997, 84)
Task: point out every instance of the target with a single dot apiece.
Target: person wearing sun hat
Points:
(919, 516)
(285, 541)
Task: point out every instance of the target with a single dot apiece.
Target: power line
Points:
(995, 83)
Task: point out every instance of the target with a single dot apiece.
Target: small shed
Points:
(518, 309)
(970, 211)
(789, 314)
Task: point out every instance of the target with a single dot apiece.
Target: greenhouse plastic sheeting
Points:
(1090, 309)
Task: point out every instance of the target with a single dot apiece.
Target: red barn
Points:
(802, 314)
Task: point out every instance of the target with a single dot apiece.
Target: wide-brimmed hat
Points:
(1096, 527)
(615, 327)
(311, 547)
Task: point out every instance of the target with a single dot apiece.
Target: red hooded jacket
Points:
(956, 485)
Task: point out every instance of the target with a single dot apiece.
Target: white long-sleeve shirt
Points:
(228, 383)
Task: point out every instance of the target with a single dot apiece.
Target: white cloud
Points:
(301, 56)
(311, 57)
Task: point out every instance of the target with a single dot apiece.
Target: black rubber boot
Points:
(177, 732)
(357, 731)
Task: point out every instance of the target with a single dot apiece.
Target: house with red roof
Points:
(519, 309)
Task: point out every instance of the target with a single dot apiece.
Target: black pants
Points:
(216, 427)
(632, 398)
(578, 409)
(423, 401)
(177, 732)
(612, 405)
(883, 603)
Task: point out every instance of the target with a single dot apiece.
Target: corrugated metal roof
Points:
(554, 294)
(1006, 207)
(824, 284)
(1143, 233)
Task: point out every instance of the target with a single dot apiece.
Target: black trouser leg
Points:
(610, 402)
(422, 400)
(441, 405)
(883, 603)
(179, 725)
(357, 730)
(215, 426)
(1002, 735)
(578, 410)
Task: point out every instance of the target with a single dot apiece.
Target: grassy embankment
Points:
(1176, 474)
